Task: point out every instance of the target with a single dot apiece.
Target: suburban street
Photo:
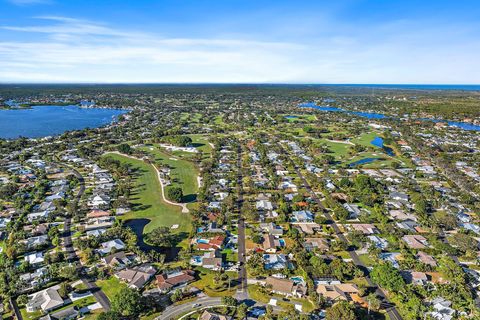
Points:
(390, 308)
(72, 255)
(242, 293)
(175, 311)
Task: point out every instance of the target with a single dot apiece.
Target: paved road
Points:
(175, 311)
(72, 255)
(391, 310)
(242, 293)
(16, 310)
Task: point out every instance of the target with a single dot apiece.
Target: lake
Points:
(137, 226)
(42, 121)
(372, 115)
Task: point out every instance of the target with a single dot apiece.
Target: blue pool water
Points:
(297, 279)
(202, 241)
(41, 121)
(282, 242)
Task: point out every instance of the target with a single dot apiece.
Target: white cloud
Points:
(76, 50)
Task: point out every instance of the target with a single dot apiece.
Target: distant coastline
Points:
(458, 87)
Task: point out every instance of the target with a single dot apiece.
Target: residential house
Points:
(275, 261)
(390, 257)
(107, 247)
(302, 216)
(311, 244)
(212, 260)
(272, 228)
(270, 243)
(426, 259)
(418, 278)
(45, 300)
(415, 241)
(364, 228)
(442, 309)
(378, 242)
(353, 210)
(336, 291)
(173, 279)
(136, 277)
(36, 241)
(34, 258)
(119, 260)
(286, 287)
(208, 315)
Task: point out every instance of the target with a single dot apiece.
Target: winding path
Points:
(159, 176)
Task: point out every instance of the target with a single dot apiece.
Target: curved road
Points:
(159, 176)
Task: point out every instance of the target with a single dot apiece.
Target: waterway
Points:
(379, 116)
(42, 121)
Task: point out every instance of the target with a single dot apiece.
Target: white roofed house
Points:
(45, 300)
(34, 258)
(36, 241)
(264, 205)
(107, 247)
(99, 201)
(353, 210)
(302, 216)
(38, 215)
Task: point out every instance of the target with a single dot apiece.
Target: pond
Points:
(378, 142)
(363, 161)
(42, 121)
(137, 226)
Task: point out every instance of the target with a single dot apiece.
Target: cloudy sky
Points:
(248, 41)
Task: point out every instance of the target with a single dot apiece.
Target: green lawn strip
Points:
(30, 315)
(183, 173)
(111, 286)
(147, 200)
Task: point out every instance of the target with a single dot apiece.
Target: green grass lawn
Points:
(207, 282)
(111, 286)
(366, 260)
(339, 150)
(219, 120)
(365, 139)
(147, 201)
(200, 141)
(255, 293)
(183, 173)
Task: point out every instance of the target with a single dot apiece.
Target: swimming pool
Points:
(202, 241)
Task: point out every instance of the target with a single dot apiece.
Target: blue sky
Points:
(249, 41)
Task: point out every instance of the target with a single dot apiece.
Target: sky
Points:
(248, 41)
